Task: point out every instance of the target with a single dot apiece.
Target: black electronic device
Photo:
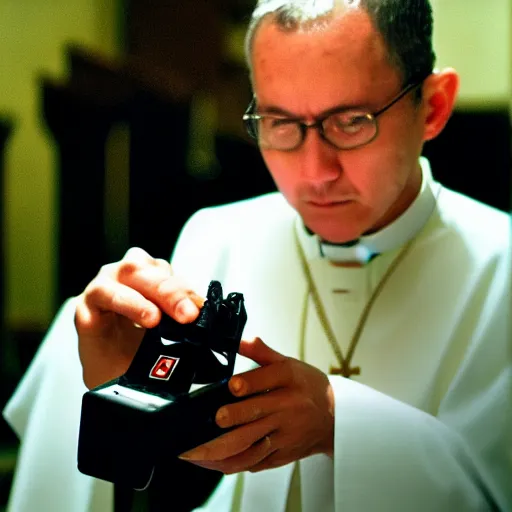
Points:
(165, 404)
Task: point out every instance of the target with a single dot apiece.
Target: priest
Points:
(375, 369)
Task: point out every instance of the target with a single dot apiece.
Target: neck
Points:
(406, 198)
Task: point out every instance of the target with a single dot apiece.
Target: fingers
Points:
(259, 352)
(138, 287)
(125, 295)
(104, 296)
(254, 456)
(253, 409)
(154, 279)
(231, 443)
(274, 457)
(263, 379)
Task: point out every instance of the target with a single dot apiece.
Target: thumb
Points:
(259, 352)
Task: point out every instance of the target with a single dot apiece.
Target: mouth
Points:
(328, 204)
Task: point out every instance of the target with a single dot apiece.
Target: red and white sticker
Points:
(163, 368)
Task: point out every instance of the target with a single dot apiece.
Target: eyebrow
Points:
(274, 110)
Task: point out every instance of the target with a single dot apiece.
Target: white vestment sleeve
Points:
(392, 456)
(198, 256)
(45, 413)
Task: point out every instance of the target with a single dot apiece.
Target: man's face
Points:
(340, 194)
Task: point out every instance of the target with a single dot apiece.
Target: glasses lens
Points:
(350, 129)
(278, 133)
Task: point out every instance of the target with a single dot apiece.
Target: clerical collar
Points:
(391, 237)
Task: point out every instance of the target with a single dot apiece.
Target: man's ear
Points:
(439, 95)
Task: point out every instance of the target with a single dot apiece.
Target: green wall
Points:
(33, 35)
(474, 36)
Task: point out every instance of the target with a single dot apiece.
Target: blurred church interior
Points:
(119, 119)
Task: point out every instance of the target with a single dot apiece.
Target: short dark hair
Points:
(405, 25)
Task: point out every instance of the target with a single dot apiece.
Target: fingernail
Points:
(147, 314)
(187, 308)
(222, 415)
(195, 454)
(236, 385)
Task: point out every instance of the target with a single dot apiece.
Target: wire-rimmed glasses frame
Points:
(342, 133)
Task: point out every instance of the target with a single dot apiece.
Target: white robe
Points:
(427, 424)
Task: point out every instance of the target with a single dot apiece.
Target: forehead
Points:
(339, 59)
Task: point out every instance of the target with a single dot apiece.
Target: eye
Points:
(278, 126)
(277, 122)
(350, 123)
(355, 124)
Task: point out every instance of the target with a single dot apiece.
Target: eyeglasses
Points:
(342, 128)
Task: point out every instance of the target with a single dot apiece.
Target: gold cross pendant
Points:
(345, 370)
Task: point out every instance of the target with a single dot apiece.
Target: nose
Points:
(319, 161)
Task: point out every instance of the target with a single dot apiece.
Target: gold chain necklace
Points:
(345, 368)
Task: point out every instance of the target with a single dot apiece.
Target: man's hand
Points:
(118, 304)
(288, 415)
